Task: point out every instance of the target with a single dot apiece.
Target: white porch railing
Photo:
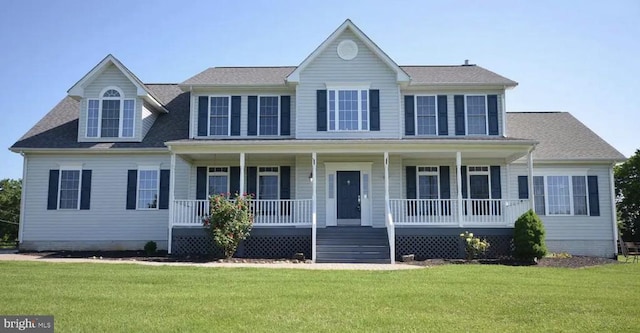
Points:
(291, 212)
(445, 211)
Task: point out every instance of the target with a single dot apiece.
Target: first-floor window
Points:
(476, 115)
(269, 112)
(426, 123)
(538, 195)
(348, 109)
(148, 181)
(268, 183)
(428, 182)
(218, 180)
(69, 189)
(561, 195)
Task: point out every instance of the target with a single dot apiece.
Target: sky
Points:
(583, 59)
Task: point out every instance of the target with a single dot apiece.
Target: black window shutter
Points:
(234, 181)
(411, 182)
(523, 187)
(285, 182)
(374, 110)
(203, 115)
(594, 198)
(252, 181)
(201, 183)
(321, 112)
(443, 123)
(132, 186)
(445, 187)
(85, 191)
(165, 179)
(235, 115)
(492, 104)
(496, 188)
(285, 115)
(463, 174)
(409, 118)
(52, 199)
(458, 101)
(252, 121)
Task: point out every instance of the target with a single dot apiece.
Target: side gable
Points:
(401, 75)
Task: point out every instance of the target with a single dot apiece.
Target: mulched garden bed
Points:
(160, 256)
(570, 262)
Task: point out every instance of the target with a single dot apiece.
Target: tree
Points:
(528, 237)
(10, 193)
(627, 179)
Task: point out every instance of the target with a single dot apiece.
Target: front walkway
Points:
(369, 267)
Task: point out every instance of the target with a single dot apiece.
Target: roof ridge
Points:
(537, 112)
(254, 67)
(439, 65)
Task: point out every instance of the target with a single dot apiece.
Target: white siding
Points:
(148, 118)
(108, 220)
(182, 179)
(366, 68)
(573, 234)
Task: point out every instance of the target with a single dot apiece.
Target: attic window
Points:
(111, 116)
(111, 93)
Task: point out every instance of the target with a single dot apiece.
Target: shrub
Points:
(474, 246)
(528, 237)
(150, 248)
(229, 221)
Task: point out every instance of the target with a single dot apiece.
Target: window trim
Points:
(148, 168)
(259, 115)
(70, 168)
(267, 173)
(415, 114)
(219, 173)
(427, 173)
(570, 176)
(100, 99)
(345, 86)
(478, 173)
(209, 97)
(486, 114)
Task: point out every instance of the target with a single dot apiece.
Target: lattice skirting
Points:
(446, 243)
(275, 243)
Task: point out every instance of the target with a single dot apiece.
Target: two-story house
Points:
(350, 157)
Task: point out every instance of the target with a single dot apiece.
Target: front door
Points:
(348, 197)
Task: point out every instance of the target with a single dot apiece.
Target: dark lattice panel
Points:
(449, 246)
(276, 246)
(501, 246)
(195, 244)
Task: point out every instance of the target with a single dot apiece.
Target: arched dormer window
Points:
(111, 116)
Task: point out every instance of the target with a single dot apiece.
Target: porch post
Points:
(459, 185)
(314, 220)
(390, 226)
(530, 178)
(242, 190)
(172, 188)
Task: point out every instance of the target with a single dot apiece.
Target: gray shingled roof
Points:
(561, 137)
(59, 128)
(420, 75)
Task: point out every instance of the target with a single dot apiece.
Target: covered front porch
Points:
(312, 184)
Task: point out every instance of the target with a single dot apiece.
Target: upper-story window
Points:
(426, 115)
(476, 108)
(269, 115)
(219, 115)
(348, 109)
(111, 116)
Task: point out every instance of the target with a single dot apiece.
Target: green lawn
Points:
(450, 298)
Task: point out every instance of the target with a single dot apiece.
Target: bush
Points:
(528, 237)
(229, 222)
(150, 248)
(474, 246)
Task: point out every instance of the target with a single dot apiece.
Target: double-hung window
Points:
(148, 184)
(69, 189)
(110, 116)
(428, 184)
(218, 180)
(269, 117)
(476, 108)
(219, 115)
(348, 109)
(561, 195)
(426, 111)
(268, 183)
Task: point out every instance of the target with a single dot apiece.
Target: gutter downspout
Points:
(23, 196)
(614, 215)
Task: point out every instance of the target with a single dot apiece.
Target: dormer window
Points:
(111, 116)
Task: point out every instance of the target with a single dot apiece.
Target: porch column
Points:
(387, 212)
(172, 188)
(242, 190)
(530, 178)
(459, 185)
(314, 216)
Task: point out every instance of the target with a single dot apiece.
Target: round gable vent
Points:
(347, 49)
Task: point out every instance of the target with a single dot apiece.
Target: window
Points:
(69, 189)
(148, 181)
(426, 122)
(218, 180)
(268, 183)
(476, 106)
(561, 195)
(428, 184)
(268, 119)
(538, 195)
(219, 115)
(348, 109)
(111, 116)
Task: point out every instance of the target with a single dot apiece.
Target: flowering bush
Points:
(229, 221)
(474, 246)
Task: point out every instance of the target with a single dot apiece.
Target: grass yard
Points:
(451, 298)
